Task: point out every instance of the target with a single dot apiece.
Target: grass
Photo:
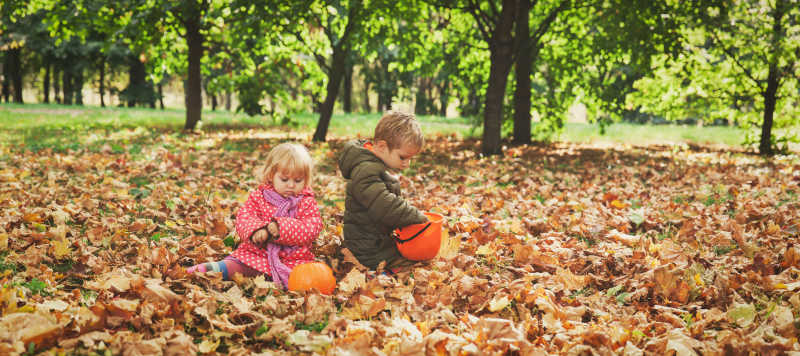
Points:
(650, 134)
(62, 127)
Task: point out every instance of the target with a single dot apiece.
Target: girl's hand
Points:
(259, 237)
(274, 230)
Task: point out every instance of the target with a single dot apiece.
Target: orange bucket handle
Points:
(415, 235)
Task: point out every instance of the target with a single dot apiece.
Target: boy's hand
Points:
(259, 237)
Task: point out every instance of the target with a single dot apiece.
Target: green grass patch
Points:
(61, 128)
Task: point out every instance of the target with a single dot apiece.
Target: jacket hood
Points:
(354, 154)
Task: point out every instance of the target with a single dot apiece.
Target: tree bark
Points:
(57, 97)
(444, 97)
(773, 82)
(334, 82)
(102, 82)
(161, 95)
(522, 92)
(66, 86)
(421, 98)
(46, 81)
(347, 95)
(6, 88)
(6, 82)
(500, 53)
(227, 100)
(78, 86)
(136, 80)
(770, 99)
(15, 70)
(194, 99)
(365, 105)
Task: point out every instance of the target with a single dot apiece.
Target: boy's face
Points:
(287, 185)
(397, 158)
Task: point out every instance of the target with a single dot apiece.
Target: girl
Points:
(279, 221)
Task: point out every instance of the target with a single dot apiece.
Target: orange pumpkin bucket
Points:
(420, 242)
(312, 275)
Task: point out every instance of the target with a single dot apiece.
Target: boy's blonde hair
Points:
(399, 128)
(289, 158)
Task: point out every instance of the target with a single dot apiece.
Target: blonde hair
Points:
(399, 128)
(289, 158)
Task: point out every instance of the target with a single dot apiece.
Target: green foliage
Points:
(36, 287)
(724, 71)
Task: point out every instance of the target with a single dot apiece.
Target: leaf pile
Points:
(559, 249)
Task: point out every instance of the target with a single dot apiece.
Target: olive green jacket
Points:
(373, 207)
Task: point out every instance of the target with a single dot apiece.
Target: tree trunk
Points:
(421, 100)
(194, 99)
(46, 81)
(136, 81)
(501, 50)
(6, 81)
(334, 81)
(365, 104)
(161, 95)
(56, 84)
(102, 82)
(213, 102)
(347, 95)
(78, 86)
(66, 86)
(15, 70)
(773, 82)
(444, 97)
(227, 100)
(770, 99)
(522, 92)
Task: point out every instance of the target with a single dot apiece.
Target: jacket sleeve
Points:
(382, 205)
(302, 229)
(248, 219)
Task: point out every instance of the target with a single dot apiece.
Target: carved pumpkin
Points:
(312, 275)
(420, 242)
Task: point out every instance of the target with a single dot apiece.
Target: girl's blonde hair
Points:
(288, 158)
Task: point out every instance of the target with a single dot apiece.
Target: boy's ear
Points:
(381, 145)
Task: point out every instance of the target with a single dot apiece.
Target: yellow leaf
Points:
(3, 241)
(780, 286)
(618, 204)
(498, 303)
(207, 346)
(171, 224)
(484, 250)
(61, 248)
(698, 280)
(449, 246)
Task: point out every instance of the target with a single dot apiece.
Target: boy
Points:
(373, 206)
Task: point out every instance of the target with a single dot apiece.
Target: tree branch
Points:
(321, 60)
(551, 17)
(730, 54)
(484, 24)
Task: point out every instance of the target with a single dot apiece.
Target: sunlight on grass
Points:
(61, 127)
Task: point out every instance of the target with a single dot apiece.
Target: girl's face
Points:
(287, 185)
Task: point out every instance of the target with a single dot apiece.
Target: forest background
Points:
(666, 223)
(514, 77)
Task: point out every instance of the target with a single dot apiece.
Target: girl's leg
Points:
(236, 266)
(227, 267)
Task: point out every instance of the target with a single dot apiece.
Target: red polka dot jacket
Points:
(299, 232)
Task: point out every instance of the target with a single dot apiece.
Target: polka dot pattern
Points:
(298, 232)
